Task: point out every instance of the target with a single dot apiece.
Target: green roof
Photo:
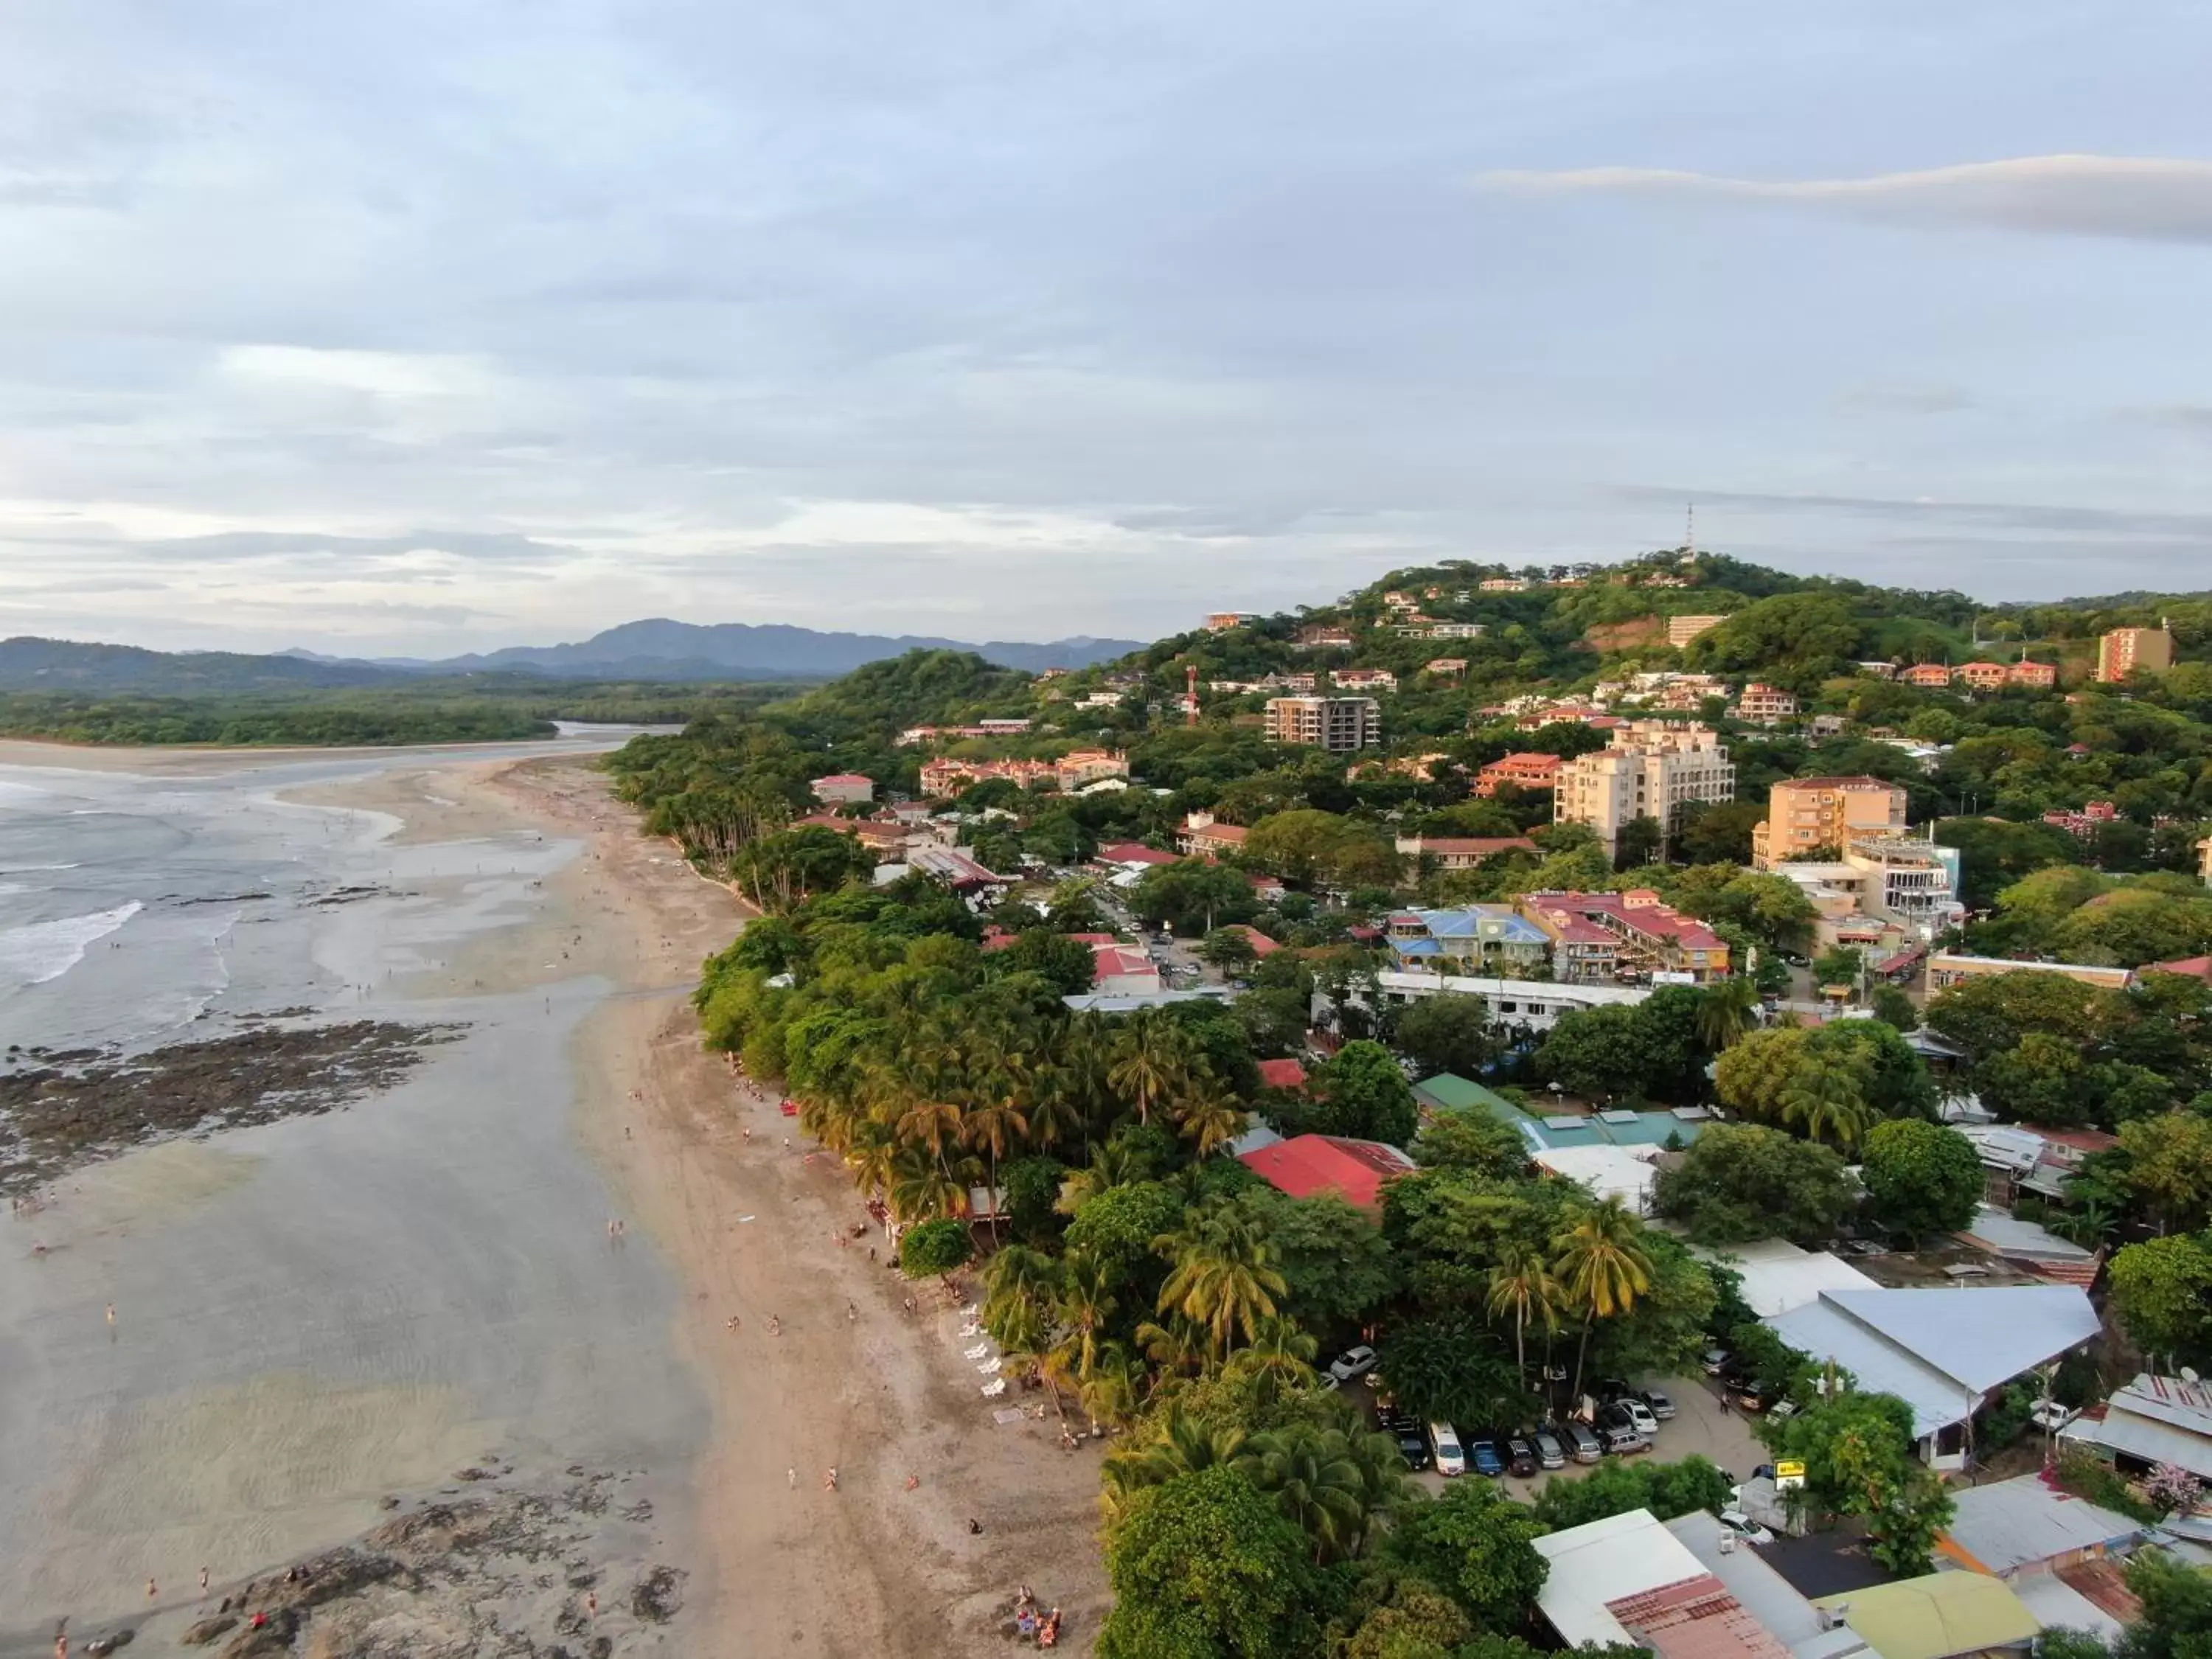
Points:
(1449, 1092)
(1936, 1617)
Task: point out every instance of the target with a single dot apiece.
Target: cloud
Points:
(2147, 198)
(1906, 399)
(2007, 515)
(306, 544)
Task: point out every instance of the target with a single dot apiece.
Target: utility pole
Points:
(1190, 698)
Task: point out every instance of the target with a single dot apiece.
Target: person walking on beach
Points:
(110, 1313)
(203, 1580)
(152, 1590)
(830, 1481)
(792, 1476)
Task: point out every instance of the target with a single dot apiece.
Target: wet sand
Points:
(315, 1313)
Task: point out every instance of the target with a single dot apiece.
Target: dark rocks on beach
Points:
(70, 1108)
(657, 1595)
(207, 1630)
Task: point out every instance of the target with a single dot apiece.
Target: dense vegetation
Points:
(1154, 1285)
(481, 709)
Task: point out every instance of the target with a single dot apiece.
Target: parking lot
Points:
(1697, 1428)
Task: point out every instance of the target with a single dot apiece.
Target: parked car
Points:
(1622, 1442)
(2050, 1416)
(1444, 1446)
(1582, 1443)
(1520, 1457)
(1639, 1416)
(1661, 1403)
(1745, 1527)
(1717, 1361)
(1484, 1456)
(1353, 1362)
(1551, 1450)
(1413, 1447)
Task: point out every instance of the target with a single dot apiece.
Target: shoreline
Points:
(852, 1382)
(571, 950)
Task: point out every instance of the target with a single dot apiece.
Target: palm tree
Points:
(997, 1124)
(1310, 1474)
(2089, 1225)
(1725, 1012)
(1826, 1103)
(1017, 1277)
(1385, 1488)
(1115, 1389)
(1150, 1061)
(1522, 1285)
(1083, 1306)
(1111, 1165)
(1602, 1267)
(921, 1188)
(1185, 1445)
(1212, 1121)
(873, 1155)
(931, 1123)
(1224, 1279)
(1178, 1347)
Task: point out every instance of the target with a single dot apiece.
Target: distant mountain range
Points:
(654, 649)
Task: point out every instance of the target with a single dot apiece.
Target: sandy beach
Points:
(529, 1356)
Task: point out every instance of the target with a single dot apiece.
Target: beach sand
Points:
(576, 981)
(872, 1569)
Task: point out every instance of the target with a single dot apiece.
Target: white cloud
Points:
(2144, 197)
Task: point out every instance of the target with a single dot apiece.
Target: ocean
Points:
(310, 1312)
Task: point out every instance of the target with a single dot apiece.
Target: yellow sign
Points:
(1788, 1474)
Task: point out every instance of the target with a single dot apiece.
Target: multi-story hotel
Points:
(1654, 770)
(1332, 723)
(2124, 650)
(1804, 814)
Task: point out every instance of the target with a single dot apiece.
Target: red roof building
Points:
(1263, 947)
(1307, 1165)
(1525, 770)
(1133, 852)
(2194, 967)
(1286, 1074)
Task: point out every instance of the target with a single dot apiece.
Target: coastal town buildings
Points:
(2124, 650)
(1931, 675)
(1879, 890)
(1445, 667)
(1339, 725)
(1364, 680)
(1490, 939)
(1949, 968)
(1081, 766)
(1201, 836)
(945, 776)
(1654, 769)
(843, 789)
(2035, 676)
(1982, 676)
(1220, 621)
(1453, 630)
(1610, 938)
(1806, 814)
(1451, 853)
(1320, 638)
(1525, 770)
(1763, 705)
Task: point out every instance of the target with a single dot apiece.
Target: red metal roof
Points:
(2194, 967)
(1132, 852)
(1282, 1074)
(1305, 1165)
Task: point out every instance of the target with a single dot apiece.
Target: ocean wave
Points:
(42, 951)
(28, 869)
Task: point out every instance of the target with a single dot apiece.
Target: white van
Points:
(1450, 1460)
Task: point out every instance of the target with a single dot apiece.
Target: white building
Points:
(1536, 1003)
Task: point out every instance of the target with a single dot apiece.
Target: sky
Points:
(420, 328)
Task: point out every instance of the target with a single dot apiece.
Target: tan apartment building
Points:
(1337, 724)
(1525, 770)
(1654, 770)
(1805, 813)
(1933, 676)
(1763, 705)
(1681, 630)
(2124, 650)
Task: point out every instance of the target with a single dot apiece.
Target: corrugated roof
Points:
(1936, 1617)
(2018, 1523)
(1305, 1165)
(1448, 1091)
